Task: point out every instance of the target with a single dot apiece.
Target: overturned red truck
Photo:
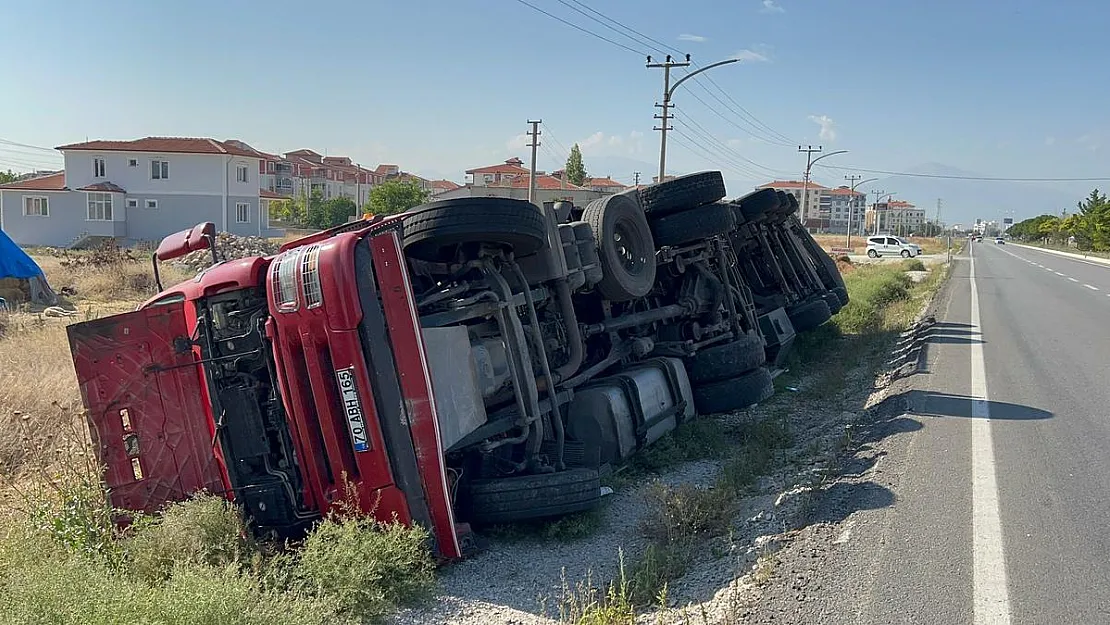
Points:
(470, 361)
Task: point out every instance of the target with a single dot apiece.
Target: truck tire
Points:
(807, 316)
(531, 497)
(727, 360)
(624, 246)
(734, 393)
(693, 224)
(833, 301)
(842, 293)
(433, 231)
(754, 204)
(683, 192)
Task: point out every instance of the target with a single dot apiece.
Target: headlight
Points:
(310, 277)
(283, 280)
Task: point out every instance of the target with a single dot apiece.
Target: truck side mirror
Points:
(199, 237)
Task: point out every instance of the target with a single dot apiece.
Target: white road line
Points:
(1093, 288)
(1059, 274)
(990, 596)
(1073, 279)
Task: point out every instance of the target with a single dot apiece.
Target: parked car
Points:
(886, 245)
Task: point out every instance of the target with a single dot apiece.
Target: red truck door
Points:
(146, 402)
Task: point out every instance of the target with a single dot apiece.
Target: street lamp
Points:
(878, 198)
(805, 180)
(851, 204)
(668, 90)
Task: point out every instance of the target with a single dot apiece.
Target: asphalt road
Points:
(980, 494)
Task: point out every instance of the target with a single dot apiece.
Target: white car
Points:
(886, 245)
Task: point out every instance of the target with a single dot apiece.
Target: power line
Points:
(754, 119)
(731, 122)
(24, 145)
(710, 160)
(665, 47)
(554, 140)
(590, 17)
(580, 28)
(717, 156)
(755, 131)
(690, 120)
(954, 177)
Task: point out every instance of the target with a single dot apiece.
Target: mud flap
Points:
(146, 407)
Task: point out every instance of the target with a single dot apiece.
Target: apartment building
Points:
(510, 180)
(303, 172)
(837, 206)
(809, 199)
(136, 191)
(895, 216)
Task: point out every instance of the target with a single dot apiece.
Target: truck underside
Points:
(471, 361)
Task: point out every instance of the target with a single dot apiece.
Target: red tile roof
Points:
(51, 182)
(545, 182)
(900, 204)
(602, 182)
(267, 194)
(511, 166)
(444, 185)
(106, 187)
(180, 145)
(385, 169)
(790, 184)
(843, 191)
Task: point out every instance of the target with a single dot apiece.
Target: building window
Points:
(36, 207)
(151, 204)
(132, 162)
(270, 167)
(98, 167)
(132, 203)
(100, 207)
(159, 170)
(241, 173)
(242, 213)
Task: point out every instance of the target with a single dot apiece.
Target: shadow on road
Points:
(933, 404)
(843, 498)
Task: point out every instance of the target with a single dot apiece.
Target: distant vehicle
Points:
(978, 238)
(999, 241)
(885, 245)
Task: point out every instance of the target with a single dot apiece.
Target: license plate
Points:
(352, 408)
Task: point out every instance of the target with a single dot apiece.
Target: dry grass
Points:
(109, 288)
(929, 245)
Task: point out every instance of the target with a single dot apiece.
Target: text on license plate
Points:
(352, 407)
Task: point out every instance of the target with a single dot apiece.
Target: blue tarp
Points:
(14, 262)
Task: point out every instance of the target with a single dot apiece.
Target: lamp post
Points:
(851, 204)
(878, 199)
(668, 91)
(805, 179)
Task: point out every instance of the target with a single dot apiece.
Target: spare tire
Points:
(693, 224)
(754, 204)
(727, 360)
(734, 393)
(664, 198)
(434, 231)
(624, 245)
(530, 497)
(809, 315)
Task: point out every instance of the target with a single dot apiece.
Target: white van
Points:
(887, 245)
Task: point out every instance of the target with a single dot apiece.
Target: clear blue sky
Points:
(1008, 88)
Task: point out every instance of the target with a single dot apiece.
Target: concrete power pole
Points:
(853, 178)
(940, 203)
(535, 134)
(878, 194)
(666, 65)
(636, 178)
(810, 151)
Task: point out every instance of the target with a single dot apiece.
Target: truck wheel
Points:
(435, 230)
(734, 393)
(754, 204)
(807, 316)
(833, 301)
(683, 192)
(624, 245)
(726, 360)
(842, 293)
(693, 224)
(530, 497)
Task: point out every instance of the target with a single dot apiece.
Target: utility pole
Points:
(940, 203)
(855, 180)
(878, 194)
(636, 178)
(668, 91)
(535, 134)
(810, 151)
(665, 106)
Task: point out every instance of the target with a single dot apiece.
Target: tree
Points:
(395, 196)
(7, 176)
(575, 169)
(338, 210)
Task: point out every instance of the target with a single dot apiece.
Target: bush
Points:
(205, 531)
(685, 512)
(871, 288)
(367, 568)
(913, 264)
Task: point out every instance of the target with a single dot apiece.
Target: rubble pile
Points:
(228, 247)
